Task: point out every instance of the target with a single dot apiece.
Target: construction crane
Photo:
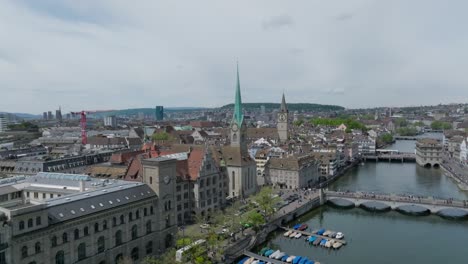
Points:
(83, 113)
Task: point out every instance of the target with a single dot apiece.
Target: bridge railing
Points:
(400, 198)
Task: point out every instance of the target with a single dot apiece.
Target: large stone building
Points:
(429, 152)
(69, 218)
(294, 171)
(283, 121)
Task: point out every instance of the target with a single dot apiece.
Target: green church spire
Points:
(238, 116)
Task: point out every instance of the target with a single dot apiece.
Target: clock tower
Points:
(282, 121)
(238, 129)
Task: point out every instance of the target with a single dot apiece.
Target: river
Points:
(387, 237)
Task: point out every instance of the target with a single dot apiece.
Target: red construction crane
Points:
(83, 113)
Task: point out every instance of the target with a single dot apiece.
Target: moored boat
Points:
(296, 226)
(298, 235)
(332, 235)
(329, 244)
(263, 250)
(322, 242)
(312, 239)
(303, 227)
(339, 235)
(304, 260)
(287, 233)
(280, 255)
(326, 233)
(296, 259)
(317, 242)
(290, 259)
(337, 245)
(320, 232)
(273, 255)
(242, 261)
(293, 234)
(268, 252)
(284, 258)
(249, 261)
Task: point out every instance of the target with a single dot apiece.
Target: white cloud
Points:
(118, 54)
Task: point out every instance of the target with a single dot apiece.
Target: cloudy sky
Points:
(124, 54)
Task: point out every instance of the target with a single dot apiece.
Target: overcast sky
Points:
(86, 55)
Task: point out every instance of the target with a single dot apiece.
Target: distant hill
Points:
(21, 115)
(151, 111)
(291, 107)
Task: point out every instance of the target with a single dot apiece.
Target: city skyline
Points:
(114, 55)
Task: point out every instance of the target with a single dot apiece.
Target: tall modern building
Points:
(110, 121)
(3, 123)
(44, 115)
(282, 123)
(49, 115)
(58, 114)
(159, 113)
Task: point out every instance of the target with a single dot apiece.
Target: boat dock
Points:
(304, 233)
(262, 258)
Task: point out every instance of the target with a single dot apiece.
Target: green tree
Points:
(407, 131)
(401, 122)
(162, 136)
(255, 219)
(386, 138)
(419, 124)
(266, 200)
(440, 125)
(298, 122)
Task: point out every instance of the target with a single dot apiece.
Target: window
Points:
(36, 195)
(130, 216)
(148, 227)
(137, 214)
(145, 211)
(151, 210)
(86, 231)
(82, 251)
(114, 221)
(178, 188)
(96, 227)
(2, 258)
(134, 232)
(30, 222)
(135, 254)
(24, 252)
(101, 244)
(51, 195)
(122, 220)
(60, 257)
(149, 247)
(38, 220)
(233, 181)
(104, 224)
(37, 247)
(53, 241)
(43, 195)
(21, 225)
(118, 238)
(64, 238)
(27, 194)
(76, 233)
(151, 180)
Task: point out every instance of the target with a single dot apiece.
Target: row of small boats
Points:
(329, 233)
(324, 242)
(282, 256)
(300, 227)
(292, 234)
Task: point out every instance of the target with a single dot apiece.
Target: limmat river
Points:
(379, 238)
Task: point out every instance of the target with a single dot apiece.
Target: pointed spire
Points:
(238, 116)
(284, 108)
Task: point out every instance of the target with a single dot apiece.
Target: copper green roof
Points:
(238, 115)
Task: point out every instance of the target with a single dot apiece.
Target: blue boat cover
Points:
(320, 232)
(284, 258)
(269, 252)
(297, 259)
(295, 227)
(312, 238)
(243, 260)
(304, 260)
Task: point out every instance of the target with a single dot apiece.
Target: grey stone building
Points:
(283, 121)
(429, 152)
(294, 171)
(69, 218)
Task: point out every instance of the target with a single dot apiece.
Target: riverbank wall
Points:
(463, 186)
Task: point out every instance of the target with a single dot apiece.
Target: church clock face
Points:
(282, 117)
(235, 128)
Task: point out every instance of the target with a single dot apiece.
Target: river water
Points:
(387, 237)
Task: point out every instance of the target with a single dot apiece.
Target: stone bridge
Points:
(402, 203)
(403, 157)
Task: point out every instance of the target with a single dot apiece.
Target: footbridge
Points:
(398, 202)
(384, 155)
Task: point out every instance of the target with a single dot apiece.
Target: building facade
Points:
(159, 113)
(428, 152)
(3, 123)
(68, 218)
(110, 121)
(294, 171)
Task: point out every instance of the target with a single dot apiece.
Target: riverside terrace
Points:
(405, 204)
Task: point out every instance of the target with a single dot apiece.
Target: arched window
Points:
(145, 211)
(53, 241)
(21, 225)
(134, 232)
(30, 222)
(114, 221)
(151, 180)
(168, 241)
(86, 231)
(64, 238)
(148, 227)
(76, 234)
(37, 247)
(135, 253)
(118, 258)
(38, 220)
(122, 220)
(81, 251)
(118, 238)
(151, 210)
(149, 247)
(104, 224)
(130, 216)
(60, 257)
(24, 252)
(137, 214)
(101, 244)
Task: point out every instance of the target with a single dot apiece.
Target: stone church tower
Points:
(282, 121)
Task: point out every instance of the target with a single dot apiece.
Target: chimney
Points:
(82, 186)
